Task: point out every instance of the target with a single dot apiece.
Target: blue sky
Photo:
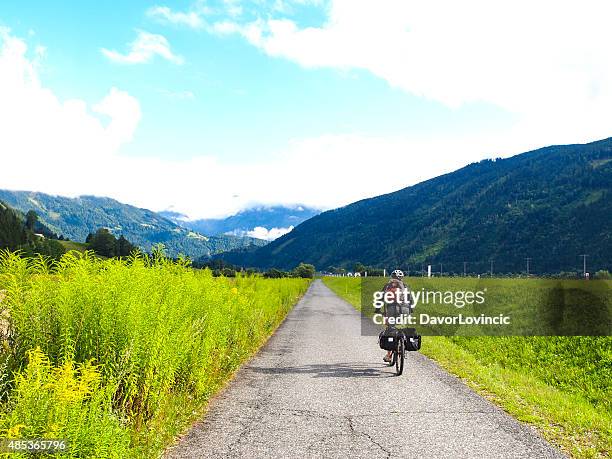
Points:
(229, 103)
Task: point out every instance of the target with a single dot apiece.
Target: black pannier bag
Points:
(413, 341)
(388, 339)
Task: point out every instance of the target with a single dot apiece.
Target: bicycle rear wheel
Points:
(399, 355)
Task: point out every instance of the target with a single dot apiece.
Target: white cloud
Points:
(143, 49)
(260, 232)
(40, 134)
(546, 62)
(191, 18)
(124, 113)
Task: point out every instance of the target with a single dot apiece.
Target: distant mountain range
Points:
(75, 218)
(549, 205)
(264, 222)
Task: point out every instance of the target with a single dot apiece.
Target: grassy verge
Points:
(119, 357)
(560, 385)
(72, 245)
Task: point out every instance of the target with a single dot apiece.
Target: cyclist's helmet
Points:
(397, 274)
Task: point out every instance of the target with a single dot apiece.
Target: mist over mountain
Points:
(263, 222)
(550, 205)
(75, 218)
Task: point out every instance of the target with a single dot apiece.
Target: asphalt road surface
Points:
(320, 389)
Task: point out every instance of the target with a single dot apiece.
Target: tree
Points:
(104, 243)
(124, 247)
(274, 273)
(228, 272)
(304, 270)
(359, 268)
(31, 219)
(13, 235)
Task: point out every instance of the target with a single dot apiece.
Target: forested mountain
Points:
(259, 221)
(75, 218)
(550, 205)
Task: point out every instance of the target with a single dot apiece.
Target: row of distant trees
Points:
(357, 268)
(304, 270)
(221, 268)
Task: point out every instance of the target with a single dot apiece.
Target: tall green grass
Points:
(140, 344)
(561, 384)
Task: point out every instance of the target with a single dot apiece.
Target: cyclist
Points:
(402, 304)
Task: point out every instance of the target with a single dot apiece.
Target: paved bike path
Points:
(320, 389)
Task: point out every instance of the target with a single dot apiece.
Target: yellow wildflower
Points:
(13, 432)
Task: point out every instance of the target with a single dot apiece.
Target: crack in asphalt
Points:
(352, 432)
(296, 412)
(366, 435)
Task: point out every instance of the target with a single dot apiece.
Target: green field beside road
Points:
(561, 385)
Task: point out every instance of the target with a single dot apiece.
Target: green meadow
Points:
(559, 384)
(119, 356)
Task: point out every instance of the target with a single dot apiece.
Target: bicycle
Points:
(399, 341)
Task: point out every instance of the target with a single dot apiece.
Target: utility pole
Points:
(422, 272)
(584, 257)
(440, 269)
(528, 260)
(464, 268)
(491, 268)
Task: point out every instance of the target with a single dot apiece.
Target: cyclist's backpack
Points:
(388, 339)
(394, 286)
